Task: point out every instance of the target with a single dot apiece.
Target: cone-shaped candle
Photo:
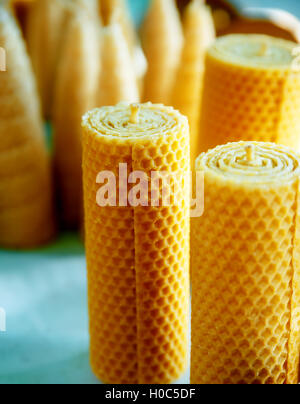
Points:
(119, 13)
(117, 80)
(251, 92)
(76, 83)
(199, 33)
(106, 9)
(26, 216)
(111, 7)
(245, 267)
(162, 40)
(138, 257)
(91, 6)
(44, 35)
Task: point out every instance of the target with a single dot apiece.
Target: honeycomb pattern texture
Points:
(138, 257)
(117, 81)
(26, 211)
(162, 40)
(76, 85)
(245, 267)
(250, 92)
(199, 35)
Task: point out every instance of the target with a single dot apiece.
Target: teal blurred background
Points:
(293, 6)
(44, 295)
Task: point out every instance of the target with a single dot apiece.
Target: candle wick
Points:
(263, 49)
(134, 113)
(250, 153)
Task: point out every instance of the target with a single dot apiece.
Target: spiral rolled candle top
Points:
(151, 120)
(254, 50)
(245, 267)
(251, 163)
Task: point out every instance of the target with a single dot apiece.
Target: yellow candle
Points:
(117, 81)
(44, 33)
(162, 40)
(199, 33)
(110, 7)
(26, 215)
(137, 257)
(116, 11)
(90, 6)
(245, 267)
(251, 92)
(75, 93)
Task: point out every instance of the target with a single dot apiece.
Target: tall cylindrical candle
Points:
(245, 267)
(251, 92)
(137, 256)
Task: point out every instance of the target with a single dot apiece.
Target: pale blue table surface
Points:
(44, 295)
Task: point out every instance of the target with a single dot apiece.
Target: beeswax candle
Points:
(199, 34)
(90, 6)
(250, 92)
(162, 40)
(44, 33)
(116, 11)
(138, 257)
(26, 216)
(245, 267)
(110, 7)
(117, 77)
(75, 93)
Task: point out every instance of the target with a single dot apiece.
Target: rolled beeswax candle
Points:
(162, 40)
(26, 211)
(75, 94)
(245, 267)
(138, 257)
(199, 33)
(250, 92)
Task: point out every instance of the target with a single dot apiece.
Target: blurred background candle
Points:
(199, 35)
(26, 194)
(117, 79)
(74, 94)
(162, 41)
(44, 30)
(245, 267)
(251, 92)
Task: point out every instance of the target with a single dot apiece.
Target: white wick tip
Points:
(250, 152)
(134, 113)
